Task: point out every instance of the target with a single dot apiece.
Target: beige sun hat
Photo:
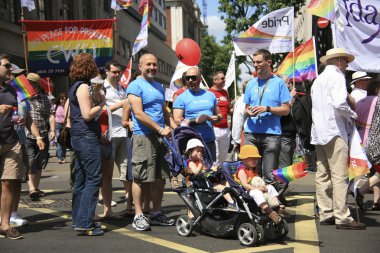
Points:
(359, 75)
(33, 77)
(336, 52)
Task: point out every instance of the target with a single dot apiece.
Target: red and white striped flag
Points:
(126, 77)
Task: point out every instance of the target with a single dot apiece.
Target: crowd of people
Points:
(112, 125)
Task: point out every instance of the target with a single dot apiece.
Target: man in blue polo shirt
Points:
(267, 99)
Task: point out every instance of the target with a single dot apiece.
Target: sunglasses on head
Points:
(188, 78)
(7, 65)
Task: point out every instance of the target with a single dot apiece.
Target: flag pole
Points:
(233, 55)
(315, 57)
(24, 39)
(114, 35)
(293, 61)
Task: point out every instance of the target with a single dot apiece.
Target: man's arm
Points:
(4, 109)
(34, 130)
(281, 110)
(52, 127)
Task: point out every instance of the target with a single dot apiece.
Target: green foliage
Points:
(239, 15)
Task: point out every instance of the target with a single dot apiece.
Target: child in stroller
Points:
(247, 176)
(194, 152)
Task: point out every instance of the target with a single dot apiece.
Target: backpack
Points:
(301, 115)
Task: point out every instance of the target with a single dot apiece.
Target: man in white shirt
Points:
(333, 121)
(360, 80)
(115, 96)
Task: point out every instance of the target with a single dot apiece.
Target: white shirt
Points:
(238, 120)
(114, 96)
(358, 94)
(330, 111)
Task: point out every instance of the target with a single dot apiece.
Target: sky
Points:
(216, 27)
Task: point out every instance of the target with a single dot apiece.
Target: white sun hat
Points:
(194, 143)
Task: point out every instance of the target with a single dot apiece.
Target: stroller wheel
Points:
(260, 233)
(184, 225)
(274, 231)
(247, 234)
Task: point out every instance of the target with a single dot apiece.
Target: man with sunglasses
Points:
(199, 108)
(221, 129)
(10, 151)
(115, 96)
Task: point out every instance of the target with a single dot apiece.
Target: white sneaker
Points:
(17, 221)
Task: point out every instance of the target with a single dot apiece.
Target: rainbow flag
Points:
(121, 4)
(142, 38)
(22, 87)
(358, 161)
(291, 172)
(145, 9)
(305, 67)
(322, 8)
(52, 44)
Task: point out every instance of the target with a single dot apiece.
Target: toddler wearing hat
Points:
(246, 175)
(194, 152)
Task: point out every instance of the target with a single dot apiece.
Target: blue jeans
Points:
(269, 147)
(87, 180)
(61, 151)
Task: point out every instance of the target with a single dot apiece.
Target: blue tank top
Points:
(80, 127)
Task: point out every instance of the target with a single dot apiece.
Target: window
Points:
(10, 11)
(87, 10)
(44, 9)
(107, 6)
(67, 10)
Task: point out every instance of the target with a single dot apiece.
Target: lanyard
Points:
(261, 93)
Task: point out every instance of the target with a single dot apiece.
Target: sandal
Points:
(34, 195)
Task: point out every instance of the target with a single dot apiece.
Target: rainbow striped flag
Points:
(121, 4)
(305, 66)
(145, 9)
(322, 8)
(52, 44)
(22, 87)
(290, 173)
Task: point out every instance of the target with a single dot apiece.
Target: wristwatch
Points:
(268, 109)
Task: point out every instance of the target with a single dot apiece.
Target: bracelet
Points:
(161, 130)
(39, 138)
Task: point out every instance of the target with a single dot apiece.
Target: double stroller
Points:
(208, 206)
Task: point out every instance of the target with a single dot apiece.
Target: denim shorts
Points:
(148, 163)
(38, 159)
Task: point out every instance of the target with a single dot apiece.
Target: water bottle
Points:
(15, 115)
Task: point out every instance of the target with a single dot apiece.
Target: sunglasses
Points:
(7, 65)
(188, 78)
(116, 72)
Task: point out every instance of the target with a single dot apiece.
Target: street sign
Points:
(322, 22)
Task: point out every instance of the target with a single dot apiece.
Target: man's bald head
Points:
(148, 66)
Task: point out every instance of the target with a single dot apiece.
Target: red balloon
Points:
(188, 52)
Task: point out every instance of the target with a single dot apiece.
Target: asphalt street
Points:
(50, 225)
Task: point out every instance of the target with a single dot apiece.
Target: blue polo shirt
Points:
(152, 97)
(195, 104)
(275, 94)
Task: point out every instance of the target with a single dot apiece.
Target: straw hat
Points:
(33, 77)
(336, 52)
(248, 151)
(193, 143)
(359, 75)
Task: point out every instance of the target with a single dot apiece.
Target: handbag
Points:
(64, 137)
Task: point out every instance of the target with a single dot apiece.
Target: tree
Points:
(239, 15)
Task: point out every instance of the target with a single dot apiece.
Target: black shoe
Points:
(375, 207)
(359, 200)
(328, 221)
(352, 225)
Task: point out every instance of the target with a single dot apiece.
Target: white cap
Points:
(193, 143)
(97, 80)
(359, 75)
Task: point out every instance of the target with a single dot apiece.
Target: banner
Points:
(305, 66)
(230, 74)
(53, 44)
(356, 29)
(274, 31)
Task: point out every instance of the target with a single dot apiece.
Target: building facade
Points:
(126, 30)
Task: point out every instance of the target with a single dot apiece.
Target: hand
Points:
(214, 118)
(51, 135)
(202, 118)
(104, 141)
(166, 132)
(4, 109)
(256, 110)
(263, 189)
(125, 123)
(21, 121)
(40, 144)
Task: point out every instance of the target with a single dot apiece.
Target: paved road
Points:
(50, 226)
